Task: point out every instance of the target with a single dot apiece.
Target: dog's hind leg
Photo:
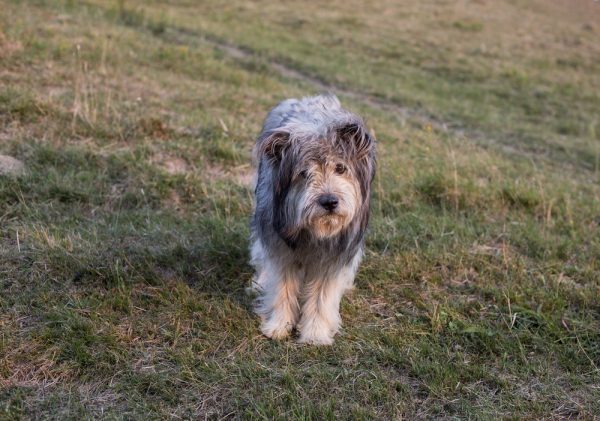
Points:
(277, 304)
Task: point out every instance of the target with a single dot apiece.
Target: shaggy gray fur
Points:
(309, 149)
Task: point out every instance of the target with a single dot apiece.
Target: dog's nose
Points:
(328, 201)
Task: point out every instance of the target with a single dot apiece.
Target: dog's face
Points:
(325, 194)
(321, 185)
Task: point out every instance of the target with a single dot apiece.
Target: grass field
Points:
(123, 247)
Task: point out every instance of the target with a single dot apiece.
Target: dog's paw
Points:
(315, 335)
(311, 339)
(276, 330)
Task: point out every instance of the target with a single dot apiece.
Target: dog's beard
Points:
(327, 225)
(322, 224)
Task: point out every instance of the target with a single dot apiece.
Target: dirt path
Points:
(405, 115)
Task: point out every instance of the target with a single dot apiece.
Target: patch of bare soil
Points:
(8, 47)
(242, 174)
(11, 166)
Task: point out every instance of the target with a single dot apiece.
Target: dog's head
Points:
(321, 182)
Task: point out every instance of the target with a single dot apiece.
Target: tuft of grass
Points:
(468, 26)
(20, 106)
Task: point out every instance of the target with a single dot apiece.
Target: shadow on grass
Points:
(216, 262)
(210, 257)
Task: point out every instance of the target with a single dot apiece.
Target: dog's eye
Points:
(340, 168)
(303, 174)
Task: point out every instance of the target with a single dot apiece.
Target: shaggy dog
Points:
(316, 162)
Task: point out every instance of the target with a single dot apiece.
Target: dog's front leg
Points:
(321, 309)
(278, 301)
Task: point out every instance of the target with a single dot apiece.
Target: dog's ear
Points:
(273, 145)
(283, 222)
(359, 146)
(355, 140)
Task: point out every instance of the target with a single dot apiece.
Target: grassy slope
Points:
(123, 251)
(518, 73)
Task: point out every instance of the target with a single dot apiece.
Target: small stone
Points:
(11, 166)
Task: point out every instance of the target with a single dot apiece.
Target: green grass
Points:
(123, 248)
